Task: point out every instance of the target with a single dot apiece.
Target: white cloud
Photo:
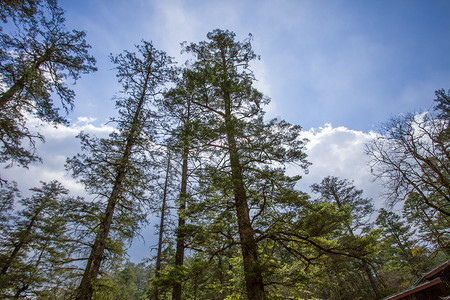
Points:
(339, 151)
(60, 143)
(84, 120)
(334, 151)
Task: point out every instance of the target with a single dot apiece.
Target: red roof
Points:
(433, 272)
(425, 282)
(416, 289)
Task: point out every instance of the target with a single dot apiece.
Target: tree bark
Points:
(161, 231)
(372, 281)
(365, 265)
(20, 291)
(23, 240)
(85, 289)
(179, 255)
(252, 270)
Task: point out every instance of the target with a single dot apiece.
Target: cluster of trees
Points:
(201, 157)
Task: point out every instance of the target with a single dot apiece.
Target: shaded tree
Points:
(37, 255)
(162, 228)
(186, 142)
(38, 57)
(126, 281)
(117, 169)
(182, 110)
(443, 104)
(8, 194)
(400, 243)
(44, 199)
(245, 146)
(342, 192)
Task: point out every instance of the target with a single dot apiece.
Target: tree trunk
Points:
(85, 289)
(372, 281)
(179, 255)
(7, 96)
(253, 273)
(365, 265)
(161, 231)
(23, 240)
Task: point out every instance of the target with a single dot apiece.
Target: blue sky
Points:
(348, 63)
(337, 68)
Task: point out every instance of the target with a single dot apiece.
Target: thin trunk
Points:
(372, 281)
(221, 276)
(85, 289)
(23, 240)
(161, 230)
(253, 274)
(25, 286)
(365, 265)
(406, 250)
(179, 255)
(340, 285)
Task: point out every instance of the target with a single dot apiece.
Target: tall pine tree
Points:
(117, 169)
(245, 146)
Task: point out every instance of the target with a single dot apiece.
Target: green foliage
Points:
(8, 193)
(36, 257)
(215, 277)
(403, 256)
(343, 192)
(358, 239)
(119, 169)
(443, 104)
(38, 56)
(218, 129)
(127, 281)
(401, 244)
(14, 9)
